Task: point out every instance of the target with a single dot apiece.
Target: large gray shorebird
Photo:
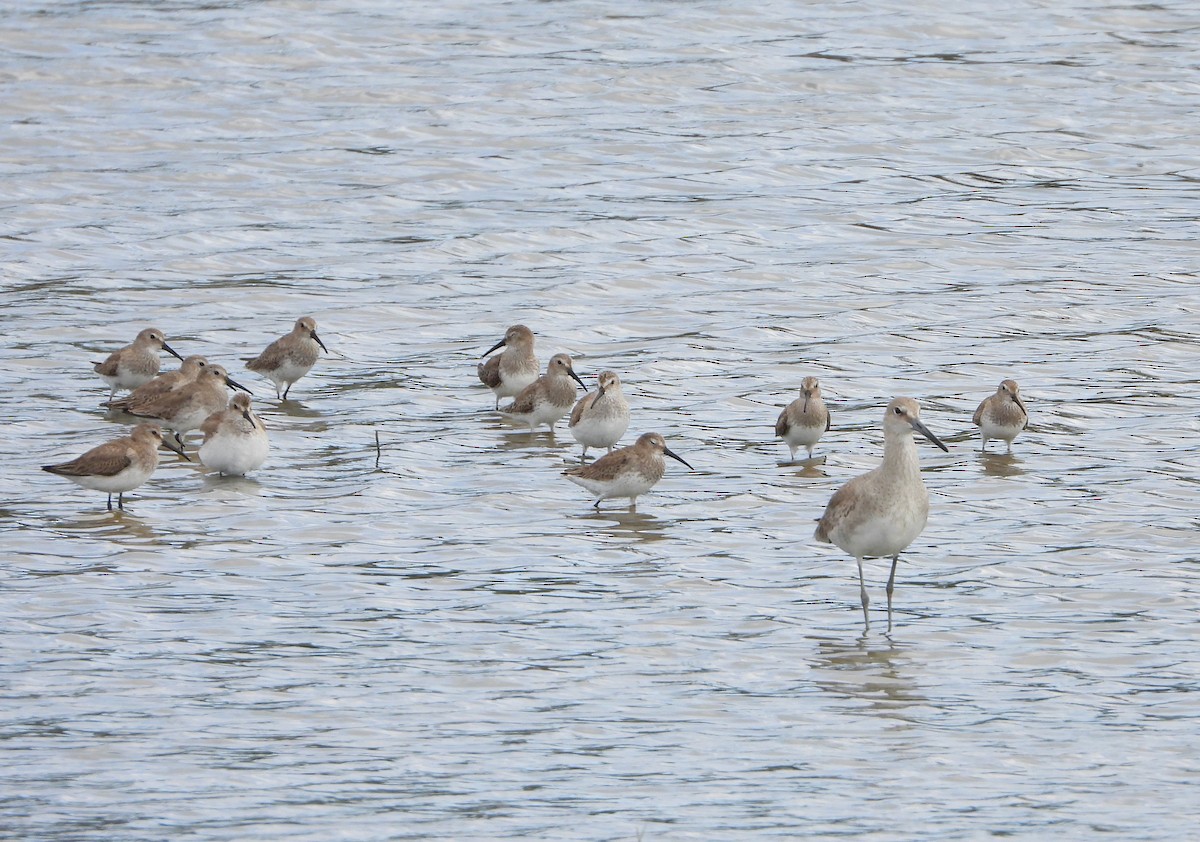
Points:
(881, 512)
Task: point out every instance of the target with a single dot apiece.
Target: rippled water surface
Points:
(440, 638)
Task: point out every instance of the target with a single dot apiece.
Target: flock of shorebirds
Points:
(875, 515)
(194, 397)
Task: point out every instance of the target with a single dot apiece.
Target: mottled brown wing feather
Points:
(839, 509)
(108, 368)
(977, 418)
(158, 406)
(489, 372)
(269, 360)
(158, 386)
(209, 427)
(606, 467)
(523, 403)
(782, 426)
(106, 460)
(583, 406)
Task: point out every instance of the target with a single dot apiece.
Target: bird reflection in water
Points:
(1001, 465)
(865, 669)
(623, 523)
(117, 524)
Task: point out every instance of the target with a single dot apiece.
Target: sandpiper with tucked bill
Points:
(601, 417)
(135, 364)
(1002, 415)
(546, 399)
(235, 440)
(804, 420)
(881, 512)
(626, 472)
(290, 357)
(119, 465)
(510, 371)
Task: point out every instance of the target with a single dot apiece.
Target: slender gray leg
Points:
(285, 391)
(891, 587)
(862, 590)
(110, 502)
(121, 501)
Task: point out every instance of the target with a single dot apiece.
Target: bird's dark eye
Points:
(898, 411)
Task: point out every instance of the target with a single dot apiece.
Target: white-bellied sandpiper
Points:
(548, 398)
(235, 440)
(290, 357)
(626, 472)
(136, 363)
(188, 371)
(117, 466)
(1002, 415)
(804, 420)
(510, 371)
(601, 417)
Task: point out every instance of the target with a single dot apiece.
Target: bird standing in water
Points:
(881, 512)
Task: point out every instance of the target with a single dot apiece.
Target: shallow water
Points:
(441, 639)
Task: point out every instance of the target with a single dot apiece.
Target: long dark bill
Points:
(923, 430)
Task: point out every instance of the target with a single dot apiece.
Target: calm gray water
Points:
(443, 640)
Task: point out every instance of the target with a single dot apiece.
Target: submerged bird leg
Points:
(891, 586)
(862, 589)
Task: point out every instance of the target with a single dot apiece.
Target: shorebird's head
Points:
(903, 415)
(152, 434)
(193, 365)
(156, 339)
(560, 364)
(307, 326)
(218, 374)
(655, 442)
(240, 402)
(517, 336)
(1009, 389)
(810, 387)
(608, 381)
